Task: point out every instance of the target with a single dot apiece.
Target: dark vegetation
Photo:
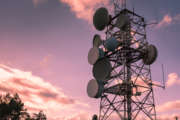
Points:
(12, 108)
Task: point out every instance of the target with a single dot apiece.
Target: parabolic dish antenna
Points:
(94, 90)
(111, 44)
(94, 54)
(151, 55)
(102, 69)
(97, 40)
(101, 18)
(122, 21)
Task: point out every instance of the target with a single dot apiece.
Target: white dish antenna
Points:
(151, 55)
(94, 90)
(101, 18)
(95, 54)
(122, 21)
(111, 44)
(102, 69)
(97, 40)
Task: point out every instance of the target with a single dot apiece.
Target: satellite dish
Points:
(102, 69)
(111, 44)
(95, 117)
(101, 18)
(97, 40)
(94, 90)
(122, 21)
(94, 54)
(151, 55)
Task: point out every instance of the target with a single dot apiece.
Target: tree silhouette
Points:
(12, 108)
(39, 116)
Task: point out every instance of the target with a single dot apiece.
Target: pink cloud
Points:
(84, 9)
(82, 115)
(168, 20)
(165, 21)
(37, 94)
(173, 79)
(79, 116)
(169, 106)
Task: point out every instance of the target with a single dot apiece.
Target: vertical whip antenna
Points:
(164, 85)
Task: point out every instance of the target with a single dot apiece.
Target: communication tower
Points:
(121, 66)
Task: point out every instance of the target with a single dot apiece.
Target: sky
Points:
(44, 46)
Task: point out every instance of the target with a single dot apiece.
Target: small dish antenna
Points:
(102, 69)
(95, 54)
(151, 55)
(101, 18)
(94, 90)
(97, 40)
(111, 44)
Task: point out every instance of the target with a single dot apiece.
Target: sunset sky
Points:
(44, 46)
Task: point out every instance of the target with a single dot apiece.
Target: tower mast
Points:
(121, 65)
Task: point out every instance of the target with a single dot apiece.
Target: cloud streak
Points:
(84, 9)
(173, 79)
(38, 94)
(168, 20)
(169, 106)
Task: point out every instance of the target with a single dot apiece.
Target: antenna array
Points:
(121, 66)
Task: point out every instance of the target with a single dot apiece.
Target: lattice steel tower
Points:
(121, 66)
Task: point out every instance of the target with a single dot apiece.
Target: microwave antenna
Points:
(121, 66)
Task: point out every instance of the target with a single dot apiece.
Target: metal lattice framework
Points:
(128, 94)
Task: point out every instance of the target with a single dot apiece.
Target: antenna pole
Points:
(129, 93)
(128, 65)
